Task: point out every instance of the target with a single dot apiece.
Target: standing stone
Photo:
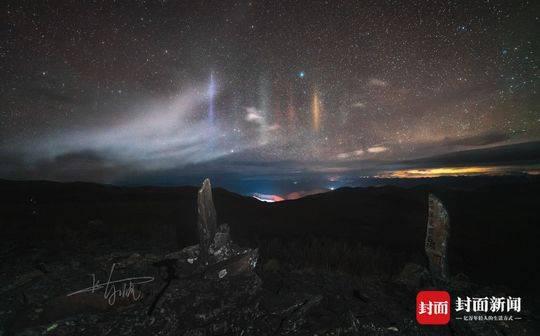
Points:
(207, 219)
(438, 231)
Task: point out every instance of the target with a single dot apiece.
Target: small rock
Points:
(75, 264)
(460, 282)
(22, 280)
(52, 327)
(413, 276)
(272, 266)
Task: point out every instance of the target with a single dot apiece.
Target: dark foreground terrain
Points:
(345, 262)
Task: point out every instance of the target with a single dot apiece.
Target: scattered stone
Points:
(133, 259)
(413, 276)
(272, 266)
(22, 280)
(52, 327)
(360, 296)
(222, 242)
(190, 252)
(75, 264)
(243, 262)
(211, 286)
(460, 282)
(223, 295)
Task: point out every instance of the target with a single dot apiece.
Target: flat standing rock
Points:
(207, 218)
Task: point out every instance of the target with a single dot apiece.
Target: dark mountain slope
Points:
(494, 228)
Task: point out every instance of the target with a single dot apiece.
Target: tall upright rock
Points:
(437, 235)
(207, 218)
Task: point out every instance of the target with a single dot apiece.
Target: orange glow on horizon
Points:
(446, 171)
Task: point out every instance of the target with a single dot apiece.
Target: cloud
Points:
(352, 154)
(477, 140)
(287, 176)
(85, 165)
(253, 115)
(264, 128)
(377, 82)
(157, 134)
(11, 164)
(521, 153)
(377, 149)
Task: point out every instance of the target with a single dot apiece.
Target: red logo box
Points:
(433, 307)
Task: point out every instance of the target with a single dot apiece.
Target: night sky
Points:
(250, 92)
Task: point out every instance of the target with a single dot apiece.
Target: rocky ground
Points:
(215, 288)
(231, 295)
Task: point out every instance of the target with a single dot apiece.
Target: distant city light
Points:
(268, 198)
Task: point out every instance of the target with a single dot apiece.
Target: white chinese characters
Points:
(488, 304)
(433, 308)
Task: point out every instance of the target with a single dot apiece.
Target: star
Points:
(142, 97)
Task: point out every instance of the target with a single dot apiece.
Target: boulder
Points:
(207, 218)
(437, 236)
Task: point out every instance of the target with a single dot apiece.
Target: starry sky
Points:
(167, 92)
